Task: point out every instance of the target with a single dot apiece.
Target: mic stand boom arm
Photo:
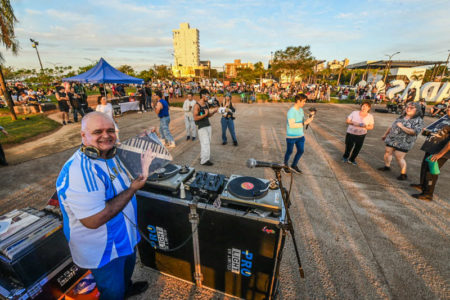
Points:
(285, 196)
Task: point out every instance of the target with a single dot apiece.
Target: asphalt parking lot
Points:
(360, 234)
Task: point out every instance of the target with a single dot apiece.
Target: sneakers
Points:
(193, 139)
(286, 169)
(136, 288)
(353, 162)
(296, 170)
(208, 163)
(224, 143)
(235, 143)
(402, 177)
(344, 160)
(385, 168)
(188, 138)
(416, 186)
(171, 145)
(140, 112)
(69, 122)
(423, 196)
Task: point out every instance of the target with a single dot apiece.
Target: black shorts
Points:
(63, 106)
(397, 149)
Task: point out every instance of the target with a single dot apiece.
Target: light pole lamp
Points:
(35, 45)
(388, 65)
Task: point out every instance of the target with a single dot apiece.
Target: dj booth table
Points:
(234, 251)
(127, 106)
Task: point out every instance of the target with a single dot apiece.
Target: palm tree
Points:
(8, 39)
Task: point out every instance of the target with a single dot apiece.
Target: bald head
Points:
(88, 118)
(98, 130)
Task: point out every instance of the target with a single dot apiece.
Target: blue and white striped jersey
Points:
(84, 185)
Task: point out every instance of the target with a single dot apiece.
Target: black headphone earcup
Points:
(94, 153)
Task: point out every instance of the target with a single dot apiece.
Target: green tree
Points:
(8, 39)
(249, 75)
(147, 75)
(126, 69)
(293, 61)
(163, 72)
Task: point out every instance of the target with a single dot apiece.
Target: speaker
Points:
(166, 224)
(238, 251)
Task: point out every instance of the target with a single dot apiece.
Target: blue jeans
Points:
(228, 123)
(299, 144)
(77, 111)
(164, 129)
(114, 278)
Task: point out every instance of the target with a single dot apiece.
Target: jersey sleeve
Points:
(83, 192)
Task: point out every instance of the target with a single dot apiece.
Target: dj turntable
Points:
(252, 192)
(169, 178)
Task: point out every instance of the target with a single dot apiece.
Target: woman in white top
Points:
(358, 124)
(107, 108)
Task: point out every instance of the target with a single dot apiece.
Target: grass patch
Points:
(176, 104)
(25, 127)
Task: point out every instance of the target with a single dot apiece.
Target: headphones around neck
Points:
(94, 153)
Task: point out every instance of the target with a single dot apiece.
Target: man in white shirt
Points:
(98, 205)
(188, 106)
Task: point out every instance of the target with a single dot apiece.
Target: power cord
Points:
(171, 249)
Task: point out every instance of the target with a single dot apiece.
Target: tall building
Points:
(186, 46)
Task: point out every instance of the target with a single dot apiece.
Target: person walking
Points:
(188, 107)
(401, 136)
(162, 110)
(358, 124)
(294, 132)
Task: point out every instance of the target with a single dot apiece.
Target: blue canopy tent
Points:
(104, 73)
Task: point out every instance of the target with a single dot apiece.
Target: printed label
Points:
(240, 262)
(247, 186)
(158, 237)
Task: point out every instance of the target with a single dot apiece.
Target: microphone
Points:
(253, 163)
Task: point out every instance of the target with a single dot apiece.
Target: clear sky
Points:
(139, 33)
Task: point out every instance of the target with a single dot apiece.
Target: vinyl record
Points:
(164, 173)
(248, 188)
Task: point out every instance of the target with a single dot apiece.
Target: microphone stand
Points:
(288, 225)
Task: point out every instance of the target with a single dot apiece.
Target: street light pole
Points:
(34, 44)
(446, 64)
(388, 66)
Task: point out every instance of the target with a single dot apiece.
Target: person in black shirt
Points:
(63, 104)
(202, 113)
(436, 147)
(148, 96)
(75, 102)
(140, 95)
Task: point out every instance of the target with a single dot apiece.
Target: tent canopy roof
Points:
(381, 64)
(104, 73)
